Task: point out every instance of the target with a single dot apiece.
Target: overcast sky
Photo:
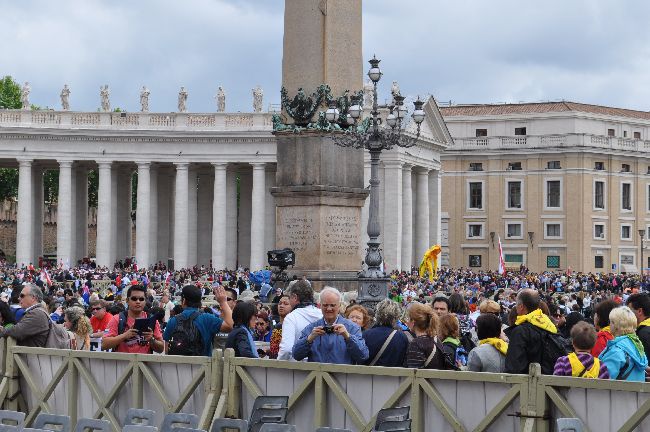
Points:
(466, 51)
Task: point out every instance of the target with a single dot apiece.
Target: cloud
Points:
(592, 51)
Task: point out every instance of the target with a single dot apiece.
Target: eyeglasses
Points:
(22, 295)
(230, 299)
(98, 308)
(260, 323)
(138, 299)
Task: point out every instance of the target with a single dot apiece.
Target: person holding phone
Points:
(124, 336)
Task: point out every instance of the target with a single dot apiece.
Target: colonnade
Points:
(218, 214)
(410, 198)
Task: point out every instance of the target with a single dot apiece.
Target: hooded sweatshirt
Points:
(614, 356)
(293, 324)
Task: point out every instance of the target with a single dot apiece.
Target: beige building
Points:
(562, 184)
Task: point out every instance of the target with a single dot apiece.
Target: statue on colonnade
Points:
(221, 100)
(104, 95)
(24, 96)
(258, 96)
(65, 98)
(144, 99)
(182, 100)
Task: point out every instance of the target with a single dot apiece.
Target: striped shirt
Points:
(563, 366)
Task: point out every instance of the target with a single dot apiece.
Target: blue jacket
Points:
(614, 357)
(332, 348)
(395, 352)
(207, 324)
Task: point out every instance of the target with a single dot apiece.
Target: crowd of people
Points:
(571, 324)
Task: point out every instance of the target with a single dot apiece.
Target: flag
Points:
(502, 263)
(430, 262)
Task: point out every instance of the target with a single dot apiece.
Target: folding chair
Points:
(188, 421)
(93, 425)
(52, 422)
(144, 416)
(569, 425)
(224, 423)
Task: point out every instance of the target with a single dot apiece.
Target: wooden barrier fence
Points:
(105, 385)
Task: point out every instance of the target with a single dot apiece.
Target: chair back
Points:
(392, 414)
(137, 416)
(271, 402)
(139, 428)
(11, 421)
(329, 429)
(395, 426)
(569, 425)
(84, 424)
(220, 424)
(188, 421)
(52, 422)
(274, 427)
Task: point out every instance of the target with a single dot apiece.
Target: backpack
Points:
(466, 342)
(186, 340)
(57, 337)
(553, 347)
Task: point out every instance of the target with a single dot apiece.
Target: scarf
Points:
(251, 341)
(499, 344)
(637, 342)
(606, 329)
(580, 370)
(645, 322)
(538, 319)
(455, 342)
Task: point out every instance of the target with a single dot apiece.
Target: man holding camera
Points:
(332, 339)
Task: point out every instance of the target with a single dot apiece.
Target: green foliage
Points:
(9, 93)
(51, 186)
(8, 183)
(93, 187)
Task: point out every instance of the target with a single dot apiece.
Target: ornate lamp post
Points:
(373, 284)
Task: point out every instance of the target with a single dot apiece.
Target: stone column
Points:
(244, 217)
(231, 218)
(435, 207)
(165, 233)
(204, 217)
(219, 217)
(64, 215)
(192, 218)
(407, 218)
(181, 214)
(153, 215)
(143, 216)
(124, 223)
(104, 215)
(422, 214)
(392, 206)
(37, 212)
(24, 217)
(115, 208)
(258, 208)
(81, 246)
(269, 220)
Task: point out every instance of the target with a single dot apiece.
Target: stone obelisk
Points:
(319, 185)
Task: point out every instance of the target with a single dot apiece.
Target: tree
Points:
(8, 183)
(9, 93)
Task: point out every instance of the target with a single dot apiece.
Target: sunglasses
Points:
(98, 308)
(138, 299)
(230, 299)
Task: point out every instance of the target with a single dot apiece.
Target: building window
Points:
(476, 195)
(625, 168)
(520, 131)
(624, 134)
(553, 194)
(514, 194)
(553, 230)
(599, 195)
(599, 166)
(599, 231)
(648, 199)
(611, 132)
(626, 196)
(474, 230)
(481, 132)
(514, 166)
(476, 166)
(553, 165)
(475, 260)
(637, 135)
(514, 230)
(514, 258)
(626, 232)
(553, 261)
(599, 262)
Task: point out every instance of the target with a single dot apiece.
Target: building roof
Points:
(541, 107)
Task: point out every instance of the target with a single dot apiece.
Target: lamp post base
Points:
(372, 291)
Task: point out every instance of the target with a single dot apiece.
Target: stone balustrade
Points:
(137, 120)
(546, 141)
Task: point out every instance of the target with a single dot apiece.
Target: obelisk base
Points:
(372, 291)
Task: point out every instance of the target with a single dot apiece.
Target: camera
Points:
(328, 329)
(281, 258)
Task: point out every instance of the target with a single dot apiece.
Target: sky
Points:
(464, 51)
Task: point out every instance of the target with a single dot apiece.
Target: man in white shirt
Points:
(301, 297)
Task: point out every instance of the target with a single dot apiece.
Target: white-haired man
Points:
(34, 327)
(332, 339)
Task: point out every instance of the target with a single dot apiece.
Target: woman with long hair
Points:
(284, 307)
(77, 323)
(423, 351)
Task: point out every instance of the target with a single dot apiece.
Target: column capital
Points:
(407, 167)
(220, 165)
(420, 170)
(393, 164)
(258, 165)
(143, 165)
(25, 162)
(65, 163)
(104, 164)
(182, 165)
